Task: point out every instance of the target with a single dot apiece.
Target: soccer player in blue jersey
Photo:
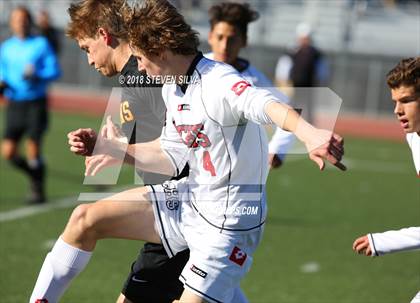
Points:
(27, 66)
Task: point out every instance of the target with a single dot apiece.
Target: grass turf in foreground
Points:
(313, 218)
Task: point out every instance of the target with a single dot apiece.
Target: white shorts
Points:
(218, 261)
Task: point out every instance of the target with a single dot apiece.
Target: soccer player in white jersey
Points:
(228, 35)
(404, 82)
(212, 121)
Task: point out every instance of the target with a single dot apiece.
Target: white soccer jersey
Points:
(210, 125)
(281, 140)
(413, 140)
(394, 241)
(406, 238)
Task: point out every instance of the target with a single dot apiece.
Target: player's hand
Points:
(325, 145)
(82, 141)
(95, 164)
(112, 131)
(3, 86)
(29, 72)
(274, 161)
(361, 246)
(111, 141)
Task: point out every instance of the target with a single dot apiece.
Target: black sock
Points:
(37, 173)
(37, 169)
(20, 163)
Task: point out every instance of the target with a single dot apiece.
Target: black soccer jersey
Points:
(142, 110)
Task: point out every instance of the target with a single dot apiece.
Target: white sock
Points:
(60, 267)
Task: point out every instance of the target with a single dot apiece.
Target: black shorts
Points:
(154, 276)
(29, 117)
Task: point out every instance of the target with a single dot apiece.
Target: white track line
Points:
(352, 164)
(67, 202)
(28, 211)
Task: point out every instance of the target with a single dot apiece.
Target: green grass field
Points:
(306, 251)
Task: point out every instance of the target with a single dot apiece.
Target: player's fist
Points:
(82, 141)
(362, 246)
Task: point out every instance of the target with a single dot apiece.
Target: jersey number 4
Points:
(207, 164)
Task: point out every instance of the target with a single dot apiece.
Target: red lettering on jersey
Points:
(193, 136)
(41, 301)
(239, 87)
(207, 164)
(238, 256)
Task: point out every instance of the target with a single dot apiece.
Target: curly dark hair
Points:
(156, 26)
(407, 72)
(235, 14)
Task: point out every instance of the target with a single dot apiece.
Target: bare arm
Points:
(321, 144)
(111, 146)
(150, 157)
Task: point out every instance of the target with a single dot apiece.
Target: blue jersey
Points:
(17, 55)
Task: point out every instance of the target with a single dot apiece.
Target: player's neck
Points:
(180, 64)
(122, 55)
(22, 36)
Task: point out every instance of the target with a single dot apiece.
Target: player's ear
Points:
(105, 36)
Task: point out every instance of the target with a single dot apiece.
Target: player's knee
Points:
(123, 299)
(82, 223)
(8, 151)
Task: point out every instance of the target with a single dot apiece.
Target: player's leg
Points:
(36, 169)
(128, 215)
(216, 276)
(239, 297)
(148, 280)
(37, 123)
(123, 299)
(154, 277)
(189, 297)
(9, 149)
(14, 129)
